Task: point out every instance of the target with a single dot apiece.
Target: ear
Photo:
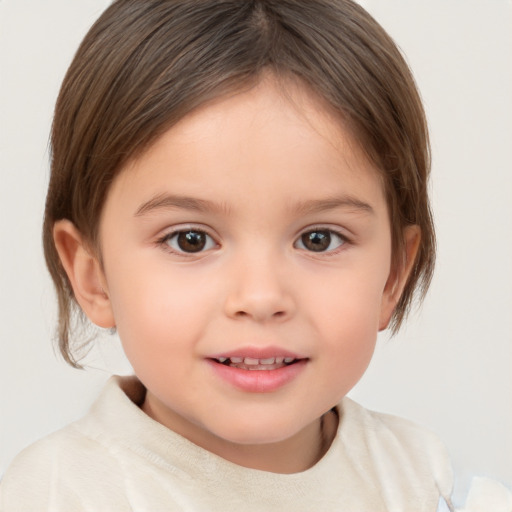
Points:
(84, 273)
(398, 277)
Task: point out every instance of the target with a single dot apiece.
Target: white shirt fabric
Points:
(118, 459)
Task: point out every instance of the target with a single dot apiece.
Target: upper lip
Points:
(258, 353)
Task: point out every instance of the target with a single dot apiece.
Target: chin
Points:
(257, 433)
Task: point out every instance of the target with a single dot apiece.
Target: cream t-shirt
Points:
(118, 459)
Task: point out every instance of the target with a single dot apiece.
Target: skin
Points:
(263, 168)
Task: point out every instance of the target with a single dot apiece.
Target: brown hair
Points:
(147, 63)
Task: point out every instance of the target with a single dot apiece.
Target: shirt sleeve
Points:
(65, 472)
(486, 495)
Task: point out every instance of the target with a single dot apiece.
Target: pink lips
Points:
(259, 353)
(258, 370)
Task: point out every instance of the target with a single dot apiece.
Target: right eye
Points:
(321, 240)
(189, 241)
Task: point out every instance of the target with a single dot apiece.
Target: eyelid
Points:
(337, 230)
(176, 230)
(347, 240)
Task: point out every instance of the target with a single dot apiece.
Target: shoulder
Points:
(82, 466)
(393, 429)
(399, 447)
(61, 472)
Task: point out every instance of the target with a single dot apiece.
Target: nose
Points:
(260, 289)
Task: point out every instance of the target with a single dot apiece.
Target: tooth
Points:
(237, 360)
(222, 359)
(289, 359)
(251, 361)
(279, 360)
(270, 360)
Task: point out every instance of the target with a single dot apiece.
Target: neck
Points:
(292, 455)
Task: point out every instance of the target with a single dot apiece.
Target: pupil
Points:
(316, 240)
(191, 241)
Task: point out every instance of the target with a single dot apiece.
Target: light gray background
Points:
(449, 369)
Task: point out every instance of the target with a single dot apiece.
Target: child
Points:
(239, 188)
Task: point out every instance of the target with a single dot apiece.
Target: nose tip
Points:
(260, 293)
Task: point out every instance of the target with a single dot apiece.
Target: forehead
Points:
(277, 133)
(270, 102)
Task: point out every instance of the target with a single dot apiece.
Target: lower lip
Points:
(258, 381)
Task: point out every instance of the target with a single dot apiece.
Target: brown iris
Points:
(191, 241)
(316, 241)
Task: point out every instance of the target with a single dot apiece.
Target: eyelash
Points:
(164, 241)
(344, 240)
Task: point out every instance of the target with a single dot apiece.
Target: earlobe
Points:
(84, 273)
(398, 277)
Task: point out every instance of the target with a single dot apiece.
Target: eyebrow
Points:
(321, 205)
(169, 201)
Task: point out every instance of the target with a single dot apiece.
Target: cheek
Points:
(349, 298)
(347, 313)
(157, 328)
(350, 337)
(146, 277)
(154, 307)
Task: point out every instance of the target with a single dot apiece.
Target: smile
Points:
(257, 371)
(251, 363)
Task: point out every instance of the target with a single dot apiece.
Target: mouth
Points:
(252, 363)
(258, 370)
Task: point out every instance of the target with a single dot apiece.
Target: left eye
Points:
(189, 241)
(320, 240)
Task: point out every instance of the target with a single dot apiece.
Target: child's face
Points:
(256, 229)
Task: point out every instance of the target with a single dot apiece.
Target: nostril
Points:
(256, 315)
(259, 307)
